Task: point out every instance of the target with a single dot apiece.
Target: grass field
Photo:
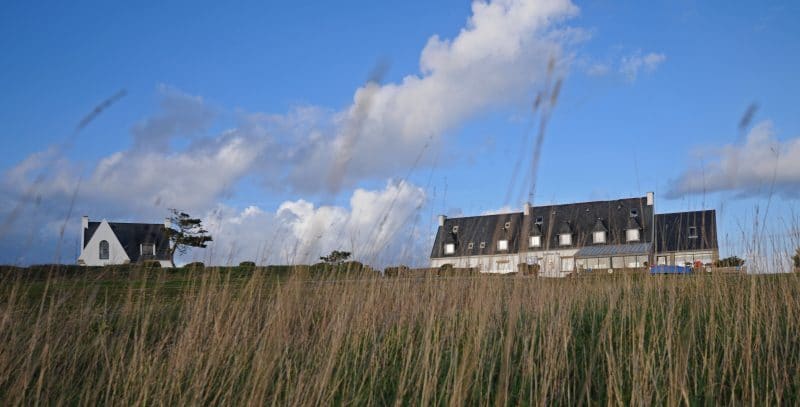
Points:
(249, 337)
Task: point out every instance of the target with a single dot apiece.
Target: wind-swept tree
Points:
(336, 257)
(796, 258)
(185, 232)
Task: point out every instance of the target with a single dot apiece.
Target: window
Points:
(635, 261)
(580, 264)
(617, 263)
(692, 232)
(502, 245)
(632, 235)
(539, 220)
(634, 213)
(104, 250)
(591, 263)
(567, 264)
(630, 261)
(535, 241)
(483, 245)
(147, 249)
(455, 229)
(599, 237)
(603, 263)
(470, 245)
(565, 239)
(449, 248)
(533, 260)
(661, 260)
(683, 259)
(507, 225)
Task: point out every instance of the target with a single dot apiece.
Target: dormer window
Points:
(455, 229)
(502, 245)
(483, 245)
(565, 239)
(507, 225)
(692, 232)
(634, 213)
(539, 220)
(599, 237)
(470, 245)
(449, 248)
(632, 235)
(535, 241)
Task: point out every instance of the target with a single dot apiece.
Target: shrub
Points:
(155, 264)
(248, 264)
(396, 271)
(796, 258)
(528, 269)
(732, 261)
(195, 265)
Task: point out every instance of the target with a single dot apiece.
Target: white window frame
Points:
(565, 239)
(630, 238)
(449, 248)
(599, 237)
(502, 245)
(535, 241)
(692, 232)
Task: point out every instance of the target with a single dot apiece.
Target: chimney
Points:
(651, 197)
(167, 223)
(527, 209)
(84, 226)
(441, 220)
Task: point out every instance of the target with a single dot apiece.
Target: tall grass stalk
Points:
(215, 338)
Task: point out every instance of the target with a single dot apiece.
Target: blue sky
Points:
(652, 98)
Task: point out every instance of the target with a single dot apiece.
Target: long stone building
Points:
(598, 235)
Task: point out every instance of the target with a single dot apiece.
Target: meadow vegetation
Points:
(285, 336)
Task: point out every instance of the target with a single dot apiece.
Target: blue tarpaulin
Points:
(670, 270)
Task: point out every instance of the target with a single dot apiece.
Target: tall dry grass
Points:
(209, 338)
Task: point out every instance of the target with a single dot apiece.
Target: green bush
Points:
(248, 264)
(199, 265)
(396, 271)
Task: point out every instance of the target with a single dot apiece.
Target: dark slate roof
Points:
(578, 219)
(599, 226)
(476, 229)
(131, 235)
(602, 250)
(672, 231)
(582, 218)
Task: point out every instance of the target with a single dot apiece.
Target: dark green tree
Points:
(335, 257)
(185, 232)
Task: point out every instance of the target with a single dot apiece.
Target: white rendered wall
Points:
(90, 255)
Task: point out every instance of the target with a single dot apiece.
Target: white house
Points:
(107, 243)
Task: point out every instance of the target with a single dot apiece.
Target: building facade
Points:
(560, 239)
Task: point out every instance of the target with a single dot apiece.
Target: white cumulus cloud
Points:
(759, 166)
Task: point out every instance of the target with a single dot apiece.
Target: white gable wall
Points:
(90, 255)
